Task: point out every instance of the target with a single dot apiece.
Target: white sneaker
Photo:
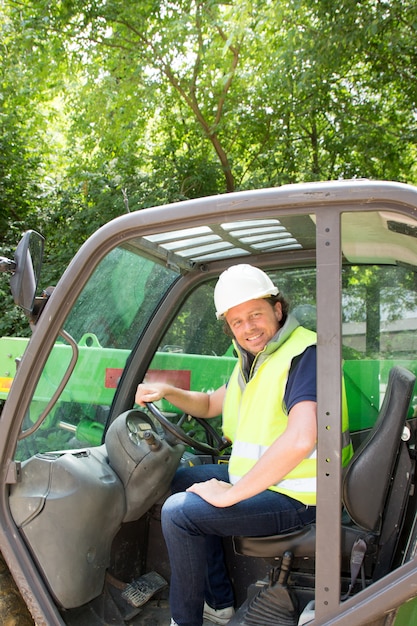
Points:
(218, 616)
(173, 623)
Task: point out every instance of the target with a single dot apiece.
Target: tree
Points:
(250, 92)
(124, 105)
(18, 164)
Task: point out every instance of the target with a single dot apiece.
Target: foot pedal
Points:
(130, 597)
(138, 592)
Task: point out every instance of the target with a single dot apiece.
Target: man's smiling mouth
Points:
(254, 338)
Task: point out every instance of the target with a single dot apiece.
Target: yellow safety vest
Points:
(254, 416)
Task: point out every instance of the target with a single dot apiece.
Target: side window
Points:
(194, 353)
(379, 330)
(380, 311)
(298, 286)
(196, 329)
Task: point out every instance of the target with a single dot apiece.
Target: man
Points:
(269, 413)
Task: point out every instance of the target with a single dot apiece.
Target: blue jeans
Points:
(193, 531)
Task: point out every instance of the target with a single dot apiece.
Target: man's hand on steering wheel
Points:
(179, 433)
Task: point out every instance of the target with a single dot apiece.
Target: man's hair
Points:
(272, 300)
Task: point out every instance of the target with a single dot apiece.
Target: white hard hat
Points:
(239, 284)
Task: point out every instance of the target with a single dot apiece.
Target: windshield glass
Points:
(118, 300)
(102, 328)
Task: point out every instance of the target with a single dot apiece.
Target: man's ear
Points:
(278, 310)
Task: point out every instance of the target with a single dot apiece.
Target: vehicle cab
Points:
(84, 471)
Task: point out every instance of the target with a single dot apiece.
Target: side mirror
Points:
(28, 260)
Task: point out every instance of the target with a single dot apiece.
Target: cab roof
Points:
(377, 218)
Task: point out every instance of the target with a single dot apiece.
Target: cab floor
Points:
(155, 612)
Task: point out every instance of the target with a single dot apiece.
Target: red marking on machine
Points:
(178, 378)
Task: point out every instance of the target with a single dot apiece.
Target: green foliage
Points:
(14, 323)
(17, 163)
(108, 107)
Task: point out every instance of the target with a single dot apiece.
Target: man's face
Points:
(254, 323)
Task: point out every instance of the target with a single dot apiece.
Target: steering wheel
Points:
(179, 433)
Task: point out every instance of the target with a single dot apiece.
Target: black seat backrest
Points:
(367, 478)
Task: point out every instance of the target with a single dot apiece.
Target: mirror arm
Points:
(7, 265)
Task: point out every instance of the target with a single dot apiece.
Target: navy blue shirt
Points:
(302, 379)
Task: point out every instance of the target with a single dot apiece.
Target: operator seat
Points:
(375, 488)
